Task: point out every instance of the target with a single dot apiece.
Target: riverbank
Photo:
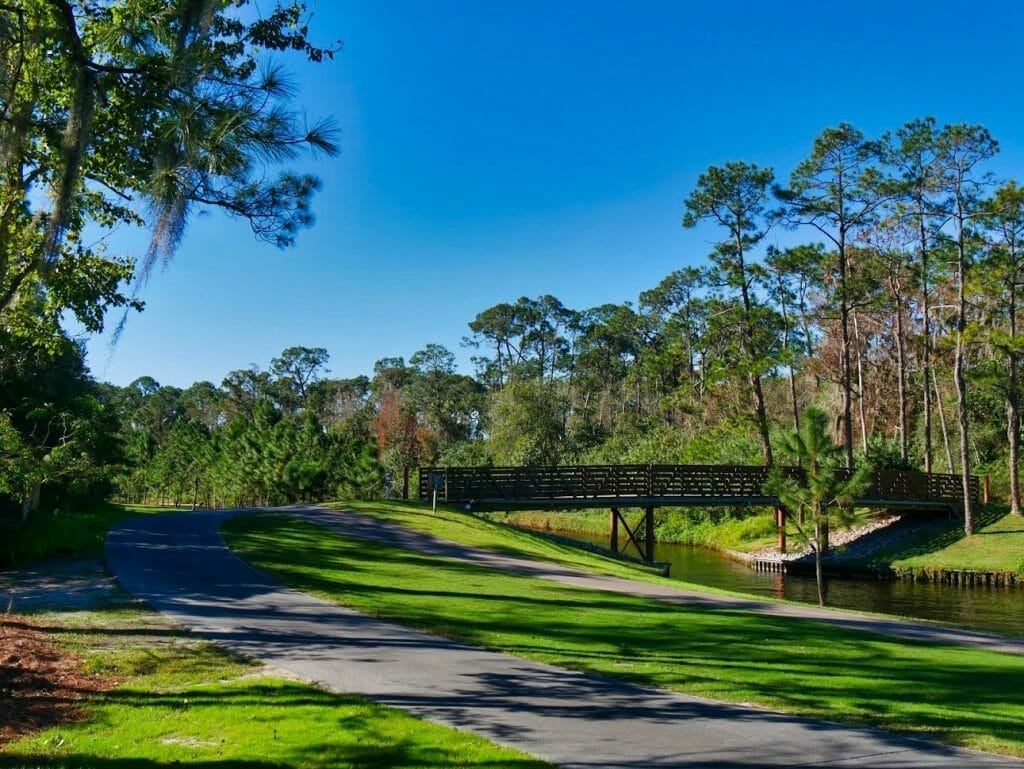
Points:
(680, 527)
(907, 547)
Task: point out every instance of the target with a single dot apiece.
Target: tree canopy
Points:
(138, 113)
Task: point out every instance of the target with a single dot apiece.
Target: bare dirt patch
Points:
(41, 685)
(61, 584)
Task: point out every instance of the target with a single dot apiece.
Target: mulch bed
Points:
(41, 685)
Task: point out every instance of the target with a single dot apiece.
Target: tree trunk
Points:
(1013, 434)
(760, 412)
(762, 419)
(793, 398)
(818, 575)
(1013, 406)
(785, 349)
(965, 458)
(844, 329)
(860, 388)
(901, 384)
(31, 501)
(926, 353)
(959, 376)
(942, 423)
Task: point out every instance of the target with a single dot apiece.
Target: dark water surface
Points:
(999, 610)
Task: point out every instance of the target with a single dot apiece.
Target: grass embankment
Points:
(998, 546)
(49, 533)
(184, 703)
(682, 527)
(477, 531)
(961, 696)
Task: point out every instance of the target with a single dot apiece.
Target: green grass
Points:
(47, 533)
(962, 696)
(187, 703)
(998, 546)
(476, 531)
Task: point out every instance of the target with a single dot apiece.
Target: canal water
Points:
(999, 610)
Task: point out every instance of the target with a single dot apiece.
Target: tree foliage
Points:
(823, 492)
(140, 113)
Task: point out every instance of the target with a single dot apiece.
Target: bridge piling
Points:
(613, 530)
(780, 522)
(649, 534)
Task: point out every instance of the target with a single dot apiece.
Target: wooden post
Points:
(405, 483)
(613, 530)
(780, 522)
(986, 490)
(649, 539)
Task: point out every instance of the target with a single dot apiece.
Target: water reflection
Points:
(982, 608)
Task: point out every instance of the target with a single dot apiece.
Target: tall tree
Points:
(912, 155)
(297, 369)
(963, 148)
(734, 197)
(794, 272)
(896, 270)
(837, 191)
(1005, 219)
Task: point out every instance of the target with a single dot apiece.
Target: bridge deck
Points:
(602, 486)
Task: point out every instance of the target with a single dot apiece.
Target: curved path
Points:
(180, 566)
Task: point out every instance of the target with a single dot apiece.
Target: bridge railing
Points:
(715, 483)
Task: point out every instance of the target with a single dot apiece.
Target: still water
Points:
(999, 610)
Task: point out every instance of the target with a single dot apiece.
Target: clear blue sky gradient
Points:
(493, 150)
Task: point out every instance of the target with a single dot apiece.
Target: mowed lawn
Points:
(996, 546)
(958, 695)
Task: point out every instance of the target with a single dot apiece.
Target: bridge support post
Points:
(649, 530)
(780, 522)
(613, 530)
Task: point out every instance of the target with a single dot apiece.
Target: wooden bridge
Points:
(651, 486)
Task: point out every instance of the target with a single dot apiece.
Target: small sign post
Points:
(436, 483)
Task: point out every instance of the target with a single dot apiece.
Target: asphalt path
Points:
(179, 564)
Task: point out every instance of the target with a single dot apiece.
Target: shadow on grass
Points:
(366, 738)
(282, 725)
(809, 668)
(930, 536)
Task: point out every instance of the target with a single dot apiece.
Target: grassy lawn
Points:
(961, 696)
(998, 545)
(185, 703)
(61, 533)
(476, 531)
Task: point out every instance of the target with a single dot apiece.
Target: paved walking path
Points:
(180, 565)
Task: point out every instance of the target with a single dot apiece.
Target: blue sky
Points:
(493, 150)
